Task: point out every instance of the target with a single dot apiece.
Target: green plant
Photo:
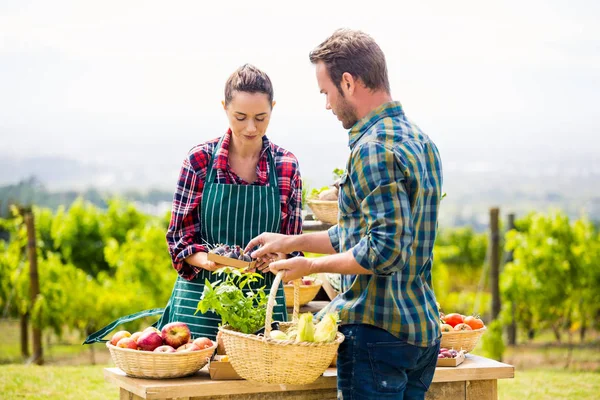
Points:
(493, 344)
(245, 312)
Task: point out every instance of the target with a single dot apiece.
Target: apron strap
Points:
(97, 336)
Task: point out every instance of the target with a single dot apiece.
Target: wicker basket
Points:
(262, 359)
(148, 364)
(462, 340)
(325, 210)
(307, 293)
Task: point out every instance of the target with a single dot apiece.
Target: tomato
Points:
(446, 327)
(453, 319)
(474, 322)
(462, 327)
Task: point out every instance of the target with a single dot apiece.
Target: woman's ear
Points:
(224, 106)
(273, 104)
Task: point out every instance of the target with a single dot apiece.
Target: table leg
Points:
(446, 390)
(127, 395)
(482, 390)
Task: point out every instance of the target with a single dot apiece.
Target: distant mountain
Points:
(518, 185)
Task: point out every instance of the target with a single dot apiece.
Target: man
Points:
(383, 243)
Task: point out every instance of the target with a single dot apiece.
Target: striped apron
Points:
(230, 214)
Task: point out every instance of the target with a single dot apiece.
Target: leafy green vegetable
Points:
(225, 297)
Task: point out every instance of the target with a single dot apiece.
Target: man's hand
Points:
(270, 243)
(295, 268)
(262, 263)
(201, 260)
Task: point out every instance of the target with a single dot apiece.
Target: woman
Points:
(231, 189)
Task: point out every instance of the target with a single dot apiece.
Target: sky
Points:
(134, 85)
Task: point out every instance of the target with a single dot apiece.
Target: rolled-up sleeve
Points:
(185, 224)
(379, 184)
(334, 237)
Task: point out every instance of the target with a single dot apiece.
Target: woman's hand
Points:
(201, 260)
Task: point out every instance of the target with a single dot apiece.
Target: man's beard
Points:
(346, 113)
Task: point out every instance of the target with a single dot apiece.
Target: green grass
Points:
(87, 382)
(548, 384)
(55, 383)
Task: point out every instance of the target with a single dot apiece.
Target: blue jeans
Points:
(374, 364)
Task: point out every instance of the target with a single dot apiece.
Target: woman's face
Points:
(249, 115)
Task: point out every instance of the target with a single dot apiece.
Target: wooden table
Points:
(475, 378)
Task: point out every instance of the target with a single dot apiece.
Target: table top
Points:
(473, 368)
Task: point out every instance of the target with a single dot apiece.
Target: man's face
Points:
(335, 101)
(249, 115)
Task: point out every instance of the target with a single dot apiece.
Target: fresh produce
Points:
(307, 281)
(175, 334)
(173, 337)
(127, 343)
(326, 329)
(453, 319)
(203, 343)
(188, 347)
(149, 340)
(446, 327)
(118, 336)
(462, 327)
(164, 349)
(306, 331)
(151, 328)
(242, 312)
(448, 353)
(278, 335)
(306, 328)
(474, 322)
(137, 335)
(235, 252)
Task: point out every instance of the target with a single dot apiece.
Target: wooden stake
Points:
(37, 356)
(495, 261)
(512, 328)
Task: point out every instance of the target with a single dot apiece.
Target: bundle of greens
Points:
(244, 312)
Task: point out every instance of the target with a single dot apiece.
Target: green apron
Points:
(230, 214)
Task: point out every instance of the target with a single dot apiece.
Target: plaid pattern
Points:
(389, 201)
(183, 235)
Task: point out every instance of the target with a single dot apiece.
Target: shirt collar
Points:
(222, 156)
(391, 109)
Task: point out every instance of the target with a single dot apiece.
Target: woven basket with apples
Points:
(166, 353)
(309, 288)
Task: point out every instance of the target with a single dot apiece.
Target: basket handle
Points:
(271, 302)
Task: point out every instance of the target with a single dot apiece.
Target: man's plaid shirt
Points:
(389, 202)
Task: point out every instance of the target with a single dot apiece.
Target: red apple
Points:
(136, 336)
(118, 336)
(203, 343)
(307, 281)
(127, 343)
(149, 341)
(153, 329)
(164, 349)
(175, 334)
(188, 347)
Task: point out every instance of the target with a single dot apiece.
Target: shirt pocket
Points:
(347, 197)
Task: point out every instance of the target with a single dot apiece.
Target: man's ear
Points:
(348, 83)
